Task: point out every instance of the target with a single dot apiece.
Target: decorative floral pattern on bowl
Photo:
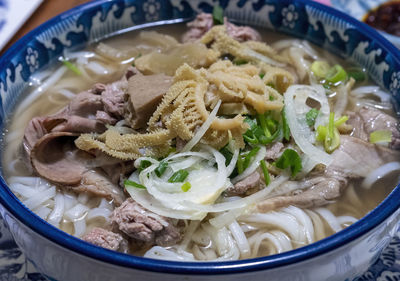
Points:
(62, 257)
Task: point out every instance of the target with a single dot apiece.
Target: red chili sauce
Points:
(386, 17)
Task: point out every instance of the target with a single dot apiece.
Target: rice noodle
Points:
(329, 218)
(362, 92)
(379, 173)
(58, 210)
(240, 238)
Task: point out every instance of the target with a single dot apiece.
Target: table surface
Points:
(13, 264)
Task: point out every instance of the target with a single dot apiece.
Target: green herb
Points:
(161, 168)
(138, 56)
(286, 129)
(249, 156)
(336, 74)
(134, 184)
(179, 176)
(380, 136)
(240, 62)
(267, 178)
(186, 186)
(262, 75)
(227, 154)
(341, 120)
(72, 67)
(290, 158)
(332, 139)
(218, 15)
(311, 116)
(357, 73)
(144, 164)
(320, 68)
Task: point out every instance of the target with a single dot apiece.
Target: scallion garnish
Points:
(285, 126)
(218, 15)
(264, 169)
(179, 176)
(249, 156)
(186, 186)
(144, 164)
(336, 74)
(357, 73)
(161, 168)
(240, 62)
(320, 68)
(290, 158)
(380, 136)
(311, 116)
(134, 184)
(71, 67)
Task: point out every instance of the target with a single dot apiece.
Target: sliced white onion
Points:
(298, 128)
(39, 198)
(58, 210)
(379, 173)
(203, 128)
(79, 227)
(76, 213)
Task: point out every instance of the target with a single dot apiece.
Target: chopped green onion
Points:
(311, 116)
(332, 139)
(286, 129)
(227, 154)
(249, 156)
(161, 168)
(336, 74)
(357, 73)
(380, 136)
(262, 75)
(290, 158)
(144, 164)
(72, 67)
(240, 62)
(263, 122)
(186, 186)
(322, 131)
(267, 178)
(320, 68)
(179, 176)
(341, 120)
(134, 184)
(218, 15)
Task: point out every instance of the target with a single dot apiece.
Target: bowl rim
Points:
(377, 216)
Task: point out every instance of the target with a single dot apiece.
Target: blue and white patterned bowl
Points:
(62, 257)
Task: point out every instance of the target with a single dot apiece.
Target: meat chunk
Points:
(274, 151)
(370, 119)
(143, 225)
(55, 158)
(104, 238)
(354, 158)
(144, 94)
(204, 22)
(241, 187)
(88, 112)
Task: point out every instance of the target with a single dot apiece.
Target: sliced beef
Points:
(204, 22)
(140, 224)
(88, 112)
(144, 94)
(274, 151)
(241, 187)
(370, 119)
(105, 238)
(355, 158)
(55, 158)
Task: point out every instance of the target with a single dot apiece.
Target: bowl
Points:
(359, 8)
(60, 256)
